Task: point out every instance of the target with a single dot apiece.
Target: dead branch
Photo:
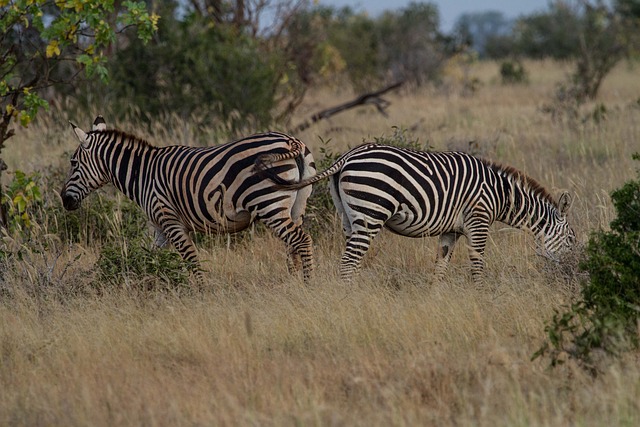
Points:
(372, 98)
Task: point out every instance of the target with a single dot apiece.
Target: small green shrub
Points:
(100, 219)
(133, 261)
(607, 315)
(513, 72)
(400, 137)
(320, 210)
(22, 198)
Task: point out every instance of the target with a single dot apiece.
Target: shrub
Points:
(400, 137)
(513, 72)
(101, 219)
(606, 317)
(134, 261)
(22, 198)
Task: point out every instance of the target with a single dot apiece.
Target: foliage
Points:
(132, 261)
(549, 34)
(398, 45)
(480, 29)
(119, 227)
(400, 137)
(101, 220)
(40, 38)
(22, 198)
(605, 34)
(513, 72)
(43, 43)
(413, 48)
(193, 67)
(607, 315)
(595, 33)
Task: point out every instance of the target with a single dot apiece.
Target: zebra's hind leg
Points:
(446, 244)
(358, 243)
(298, 243)
(294, 260)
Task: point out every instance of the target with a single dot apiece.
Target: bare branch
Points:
(374, 98)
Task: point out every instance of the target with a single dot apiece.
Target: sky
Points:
(449, 10)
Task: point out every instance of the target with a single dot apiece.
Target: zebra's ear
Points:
(99, 124)
(564, 203)
(82, 136)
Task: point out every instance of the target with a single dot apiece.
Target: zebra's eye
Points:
(74, 163)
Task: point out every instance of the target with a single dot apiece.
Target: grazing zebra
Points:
(182, 189)
(446, 194)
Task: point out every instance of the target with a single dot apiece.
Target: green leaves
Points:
(137, 14)
(607, 315)
(22, 197)
(80, 31)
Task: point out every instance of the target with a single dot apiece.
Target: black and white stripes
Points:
(204, 189)
(446, 194)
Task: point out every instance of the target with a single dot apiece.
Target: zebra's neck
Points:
(127, 162)
(523, 206)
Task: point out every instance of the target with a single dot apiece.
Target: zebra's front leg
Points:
(477, 243)
(447, 242)
(179, 237)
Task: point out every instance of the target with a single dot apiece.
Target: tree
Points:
(412, 44)
(608, 35)
(213, 63)
(479, 29)
(43, 44)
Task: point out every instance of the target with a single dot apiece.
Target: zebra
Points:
(207, 189)
(445, 194)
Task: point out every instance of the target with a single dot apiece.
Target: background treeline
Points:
(239, 64)
(248, 65)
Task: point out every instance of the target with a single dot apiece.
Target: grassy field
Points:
(258, 347)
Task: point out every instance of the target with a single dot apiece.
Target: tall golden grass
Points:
(258, 347)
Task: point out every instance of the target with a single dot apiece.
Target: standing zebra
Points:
(446, 194)
(182, 189)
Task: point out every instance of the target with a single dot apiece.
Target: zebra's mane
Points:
(526, 181)
(124, 135)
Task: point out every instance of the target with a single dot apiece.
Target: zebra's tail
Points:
(263, 167)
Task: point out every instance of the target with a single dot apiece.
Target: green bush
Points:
(606, 316)
(400, 137)
(132, 260)
(513, 72)
(101, 219)
(22, 199)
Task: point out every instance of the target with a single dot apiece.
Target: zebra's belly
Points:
(224, 224)
(406, 223)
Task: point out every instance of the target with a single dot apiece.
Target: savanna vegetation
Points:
(98, 327)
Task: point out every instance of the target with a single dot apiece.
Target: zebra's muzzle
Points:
(70, 203)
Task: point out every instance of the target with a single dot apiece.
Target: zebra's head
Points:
(85, 174)
(557, 237)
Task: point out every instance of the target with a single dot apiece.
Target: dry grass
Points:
(258, 347)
